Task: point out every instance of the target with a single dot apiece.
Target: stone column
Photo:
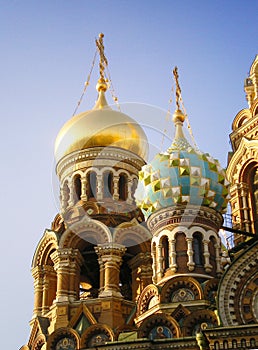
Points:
(116, 190)
(159, 262)
(101, 274)
(111, 257)
(76, 260)
(218, 259)
(99, 194)
(191, 263)
(48, 270)
(71, 196)
(66, 264)
(84, 189)
(206, 254)
(64, 197)
(245, 208)
(172, 255)
(154, 262)
(129, 191)
(37, 274)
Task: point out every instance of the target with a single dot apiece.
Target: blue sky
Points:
(46, 53)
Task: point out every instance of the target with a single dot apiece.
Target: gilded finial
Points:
(102, 85)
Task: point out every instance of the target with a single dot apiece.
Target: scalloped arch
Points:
(86, 229)
(177, 282)
(93, 330)
(241, 117)
(60, 333)
(254, 66)
(48, 242)
(254, 107)
(156, 320)
(210, 286)
(246, 153)
(39, 342)
(196, 318)
(137, 234)
(146, 295)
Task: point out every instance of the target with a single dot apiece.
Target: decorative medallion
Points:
(65, 344)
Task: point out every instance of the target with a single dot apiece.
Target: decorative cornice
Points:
(91, 155)
(188, 216)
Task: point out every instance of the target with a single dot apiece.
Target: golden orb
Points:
(101, 127)
(178, 116)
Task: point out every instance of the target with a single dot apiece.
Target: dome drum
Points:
(186, 215)
(99, 157)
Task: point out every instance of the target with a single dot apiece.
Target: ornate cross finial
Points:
(102, 58)
(178, 90)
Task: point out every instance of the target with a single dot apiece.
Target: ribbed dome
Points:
(183, 175)
(101, 127)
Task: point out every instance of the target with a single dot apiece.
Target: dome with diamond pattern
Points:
(182, 175)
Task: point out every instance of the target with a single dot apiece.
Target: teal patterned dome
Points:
(183, 175)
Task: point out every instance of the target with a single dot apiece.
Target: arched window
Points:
(254, 194)
(165, 253)
(252, 342)
(108, 184)
(234, 344)
(123, 187)
(216, 345)
(77, 188)
(225, 344)
(212, 251)
(91, 184)
(197, 248)
(249, 217)
(181, 252)
(89, 282)
(66, 194)
(125, 278)
(243, 343)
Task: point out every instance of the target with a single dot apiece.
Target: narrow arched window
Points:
(216, 345)
(123, 187)
(212, 251)
(165, 253)
(91, 184)
(66, 194)
(197, 248)
(181, 252)
(108, 184)
(252, 342)
(254, 192)
(234, 344)
(77, 188)
(225, 344)
(243, 343)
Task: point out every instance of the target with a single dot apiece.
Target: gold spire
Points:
(102, 82)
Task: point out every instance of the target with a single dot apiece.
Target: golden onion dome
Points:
(101, 127)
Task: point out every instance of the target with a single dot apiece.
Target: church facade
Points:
(123, 270)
